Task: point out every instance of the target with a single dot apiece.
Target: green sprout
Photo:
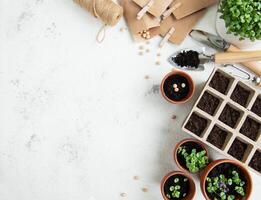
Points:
(174, 190)
(242, 18)
(195, 161)
(222, 186)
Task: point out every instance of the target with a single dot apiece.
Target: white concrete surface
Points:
(78, 119)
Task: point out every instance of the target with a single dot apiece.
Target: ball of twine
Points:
(106, 10)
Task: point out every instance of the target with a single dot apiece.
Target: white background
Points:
(78, 119)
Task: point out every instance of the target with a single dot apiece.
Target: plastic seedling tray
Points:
(226, 117)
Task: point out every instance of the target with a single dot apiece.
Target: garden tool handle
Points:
(239, 57)
(253, 66)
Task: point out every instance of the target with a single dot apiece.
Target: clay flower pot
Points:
(198, 144)
(212, 165)
(177, 87)
(191, 188)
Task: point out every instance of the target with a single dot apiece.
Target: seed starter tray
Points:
(216, 116)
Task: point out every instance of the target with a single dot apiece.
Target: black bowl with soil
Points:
(240, 95)
(208, 103)
(196, 124)
(256, 108)
(251, 129)
(230, 116)
(238, 149)
(178, 185)
(218, 137)
(220, 82)
(255, 162)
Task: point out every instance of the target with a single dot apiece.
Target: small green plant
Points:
(174, 190)
(242, 18)
(223, 187)
(195, 161)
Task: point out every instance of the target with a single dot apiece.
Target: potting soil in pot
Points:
(176, 87)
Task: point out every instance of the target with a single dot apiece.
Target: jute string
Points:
(106, 10)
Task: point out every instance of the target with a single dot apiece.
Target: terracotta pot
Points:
(175, 152)
(192, 190)
(213, 164)
(191, 86)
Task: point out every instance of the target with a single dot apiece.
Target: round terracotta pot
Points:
(175, 152)
(190, 81)
(213, 164)
(192, 190)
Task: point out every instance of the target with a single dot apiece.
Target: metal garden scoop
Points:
(182, 59)
(220, 44)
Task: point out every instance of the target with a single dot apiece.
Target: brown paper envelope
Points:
(188, 7)
(135, 26)
(182, 26)
(158, 7)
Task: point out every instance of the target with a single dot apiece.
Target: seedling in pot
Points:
(190, 155)
(177, 186)
(195, 161)
(226, 187)
(226, 180)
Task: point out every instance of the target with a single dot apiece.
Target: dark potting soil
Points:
(256, 108)
(208, 103)
(238, 149)
(169, 89)
(185, 186)
(196, 124)
(188, 59)
(226, 169)
(255, 162)
(217, 137)
(240, 95)
(250, 128)
(189, 146)
(229, 116)
(219, 82)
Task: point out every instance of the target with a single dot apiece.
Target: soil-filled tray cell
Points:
(230, 116)
(251, 129)
(255, 162)
(220, 82)
(256, 108)
(218, 137)
(238, 149)
(196, 124)
(241, 95)
(208, 103)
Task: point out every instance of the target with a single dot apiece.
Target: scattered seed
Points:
(140, 53)
(145, 189)
(157, 63)
(148, 42)
(174, 117)
(122, 29)
(175, 85)
(137, 177)
(141, 47)
(146, 77)
(123, 194)
(158, 54)
(176, 89)
(183, 85)
(147, 50)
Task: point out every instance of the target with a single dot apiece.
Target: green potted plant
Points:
(190, 155)
(178, 185)
(226, 180)
(239, 22)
